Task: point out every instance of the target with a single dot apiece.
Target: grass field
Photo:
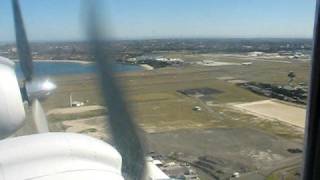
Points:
(160, 110)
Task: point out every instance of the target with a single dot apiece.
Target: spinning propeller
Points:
(123, 128)
(32, 89)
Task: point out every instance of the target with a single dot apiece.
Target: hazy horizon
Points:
(59, 20)
(159, 39)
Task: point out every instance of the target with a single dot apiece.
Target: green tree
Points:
(291, 76)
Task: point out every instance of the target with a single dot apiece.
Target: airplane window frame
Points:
(312, 128)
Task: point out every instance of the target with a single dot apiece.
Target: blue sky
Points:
(136, 19)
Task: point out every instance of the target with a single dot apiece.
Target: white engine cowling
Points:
(12, 113)
(58, 156)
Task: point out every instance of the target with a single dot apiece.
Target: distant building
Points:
(132, 60)
(255, 53)
(77, 104)
(246, 63)
(197, 108)
(12, 50)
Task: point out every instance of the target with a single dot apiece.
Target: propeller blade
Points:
(22, 42)
(39, 117)
(123, 129)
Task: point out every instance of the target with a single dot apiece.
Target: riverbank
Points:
(61, 61)
(71, 67)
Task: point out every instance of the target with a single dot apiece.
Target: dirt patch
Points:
(95, 127)
(275, 110)
(199, 91)
(73, 110)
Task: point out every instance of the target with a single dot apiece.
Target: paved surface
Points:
(230, 149)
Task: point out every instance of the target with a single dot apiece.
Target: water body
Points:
(69, 68)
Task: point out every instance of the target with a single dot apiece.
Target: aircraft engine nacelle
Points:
(58, 156)
(12, 113)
